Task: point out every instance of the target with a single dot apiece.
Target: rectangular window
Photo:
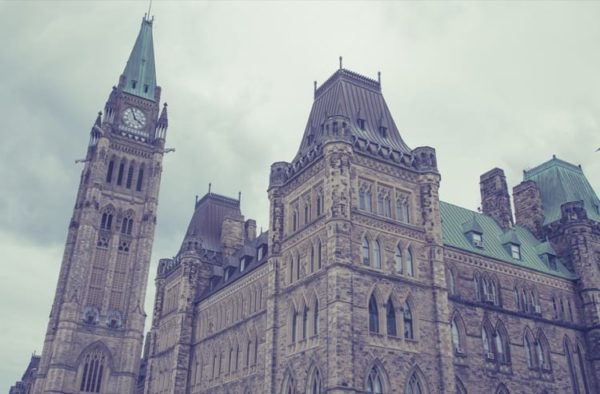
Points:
(477, 240)
(515, 251)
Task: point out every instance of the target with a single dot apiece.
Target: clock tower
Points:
(94, 337)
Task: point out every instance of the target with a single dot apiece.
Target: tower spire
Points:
(139, 76)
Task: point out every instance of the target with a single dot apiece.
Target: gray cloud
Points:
(487, 84)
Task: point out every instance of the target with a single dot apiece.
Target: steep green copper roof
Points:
(560, 182)
(453, 219)
(140, 70)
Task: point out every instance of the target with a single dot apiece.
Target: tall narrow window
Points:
(319, 256)
(456, 336)
(319, 205)
(129, 175)
(387, 207)
(451, 283)
(582, 367)
(312, 259)
(140, 178)
(406, 210)
(487, 343)
(306, 213)
(380, 204)
(377, 253)
(362, 199)
(571, 365)
(409, 264)
(399, 210)
(297, 267)
(291, 269)
(366, 253)
(369, 201)
(374, 384)
(408, 322)
(109, 172)
(398, 260)
(248, 348)
(121, 172)
(294, 220)
(391, 318)
(502, 345)
(294, 323)
(414, 385)
(237, 356)
(93, 372)
(530, 351)
(304, 322)
(316, 318)
(255, 350)
(315, 385)
(373, 315)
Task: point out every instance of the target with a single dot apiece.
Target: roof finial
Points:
(196, 199)
(209, 187)
(315, 87)
(379, 77)
(149, 8)
(340, 62)
(239, 196)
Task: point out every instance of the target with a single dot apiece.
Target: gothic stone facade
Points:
(367, 283)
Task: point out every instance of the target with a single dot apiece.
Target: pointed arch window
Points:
(106, 220)
(304, 322)
(571, 364)
(288, 385)
(306, 213)
(414, 385)
(451, 282)
(319, 204)
(380, 209)
(410, 269)
(456, 340)
(94, 365)
(237, 356)
(319, 255)
(486, 339)
(109, 172)
(140, 179)
(408, 322)
(366, 252)
(315, 384)
(530, 351)
(582, 367)
(502, 345)
(129, 175)
(294, 323)
(391, 318)
(387, 207)
(374, 382)
(398, 260)
(121, 173)
(373, 315)
(316, 318)
(377, 254)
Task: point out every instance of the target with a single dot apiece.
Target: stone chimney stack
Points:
(250, 229)
(495, 201)
(232, 234)
(529, 212)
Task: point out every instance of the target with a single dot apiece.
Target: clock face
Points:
(134, 118)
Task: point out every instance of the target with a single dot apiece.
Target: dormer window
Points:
(311, 139)
(243, 264)
(133, 84)
(515, 251)
(146, 87)
(361, 124)
(477, 240)
(259, 254)
(383, 131)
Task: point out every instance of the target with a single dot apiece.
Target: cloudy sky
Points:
(487, 84)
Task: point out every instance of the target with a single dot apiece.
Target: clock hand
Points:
(133, 113)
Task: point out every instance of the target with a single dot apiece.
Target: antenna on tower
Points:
(149, 8)
(340, 62)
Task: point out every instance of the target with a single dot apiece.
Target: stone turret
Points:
(495, 201)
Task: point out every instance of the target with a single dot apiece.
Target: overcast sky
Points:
(487, 84)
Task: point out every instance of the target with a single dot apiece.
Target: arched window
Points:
(293, 322)
(502, 345)
(456, 339)
(530, 350)
(312, 258)
(387, 206)
(477, 284)
(94, 365)
(408, 322)
(130, 175)
(451, 282)
(374, 383)
(414, 385)
(362, 199)
(248, 348)
(291, 269)
(106, 220)
(369, 200)
(140, 178)
(297, 267)
(319, 255)
(109, 172)
(229, 362)
(316, 318)
(306, 213)
(406, 210)
(377, 254)
(319, 205)
(294, 220)
(398, 260)
(304, 322)
(366, 251)
(543, 352)
(571, 364)
(391, 318)
(288, 384)
(373, 314)
(409, 263)
(315, 383)
(582, 367)
(237, 356)
(486, 339)
(121, 173)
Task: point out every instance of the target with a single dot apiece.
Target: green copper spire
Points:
(140, 73)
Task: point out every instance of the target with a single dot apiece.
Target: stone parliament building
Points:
(365, 282)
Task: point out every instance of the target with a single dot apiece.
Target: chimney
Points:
(529, 212)
(250, 229)
(495, 201)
